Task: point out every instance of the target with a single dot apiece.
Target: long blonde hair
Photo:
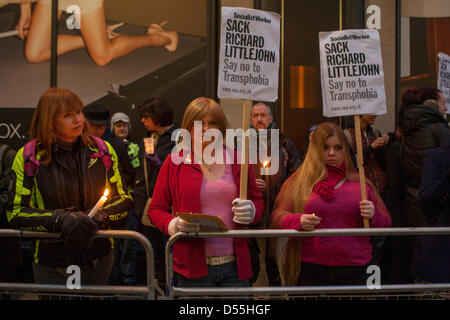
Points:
(299, 187)
(50, 105)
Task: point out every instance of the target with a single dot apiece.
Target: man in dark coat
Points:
(431, 260)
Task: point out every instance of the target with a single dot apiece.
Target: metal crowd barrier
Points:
(301, 290)
(147, 292)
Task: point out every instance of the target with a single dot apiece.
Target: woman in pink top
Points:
(324, 193)
(209, 187)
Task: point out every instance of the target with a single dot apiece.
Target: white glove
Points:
(180, 225)
(244, 211)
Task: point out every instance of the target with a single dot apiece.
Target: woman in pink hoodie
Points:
(324, 193)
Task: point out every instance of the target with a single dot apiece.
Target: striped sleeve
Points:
(120, 201)
(22, 210)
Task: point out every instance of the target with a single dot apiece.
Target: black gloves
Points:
(114, 213)
(77, 229)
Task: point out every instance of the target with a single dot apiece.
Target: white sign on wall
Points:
(249, 54)
(351, 73)
(444, 77)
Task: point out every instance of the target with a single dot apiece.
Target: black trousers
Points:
(321, 275)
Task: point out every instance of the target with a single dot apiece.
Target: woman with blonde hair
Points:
(57, 178)
(206, 186)
(324, 193)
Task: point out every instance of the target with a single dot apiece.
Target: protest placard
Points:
(249, 54)
(352, 81)
(248, 65)
(444, 77)
(351, 73)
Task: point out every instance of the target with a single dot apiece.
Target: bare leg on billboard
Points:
(103, 50)
(94, 37)
(37, 46)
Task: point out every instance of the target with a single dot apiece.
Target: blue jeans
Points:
(223, 275)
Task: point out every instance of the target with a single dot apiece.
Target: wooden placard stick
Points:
(246, 109)
(359, 150)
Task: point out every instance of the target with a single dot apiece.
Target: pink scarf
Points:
(325, 187)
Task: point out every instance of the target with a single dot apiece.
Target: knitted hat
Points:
(120, 116)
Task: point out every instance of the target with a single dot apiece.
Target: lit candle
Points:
(266, 167)
(99, 204)
(149, 144)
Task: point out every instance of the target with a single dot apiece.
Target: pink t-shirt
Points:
(215, 199)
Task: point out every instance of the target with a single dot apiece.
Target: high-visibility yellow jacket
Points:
(72, 180)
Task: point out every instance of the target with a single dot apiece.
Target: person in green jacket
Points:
(72, 171)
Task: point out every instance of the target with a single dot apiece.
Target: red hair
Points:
(50, 105)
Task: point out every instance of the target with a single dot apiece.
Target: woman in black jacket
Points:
(70, 173)
(157, 117)
(420, 128)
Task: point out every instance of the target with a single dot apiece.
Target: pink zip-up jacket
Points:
(342, 212)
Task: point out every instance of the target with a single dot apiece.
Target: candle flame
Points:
(106, 192)
(266, 163)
